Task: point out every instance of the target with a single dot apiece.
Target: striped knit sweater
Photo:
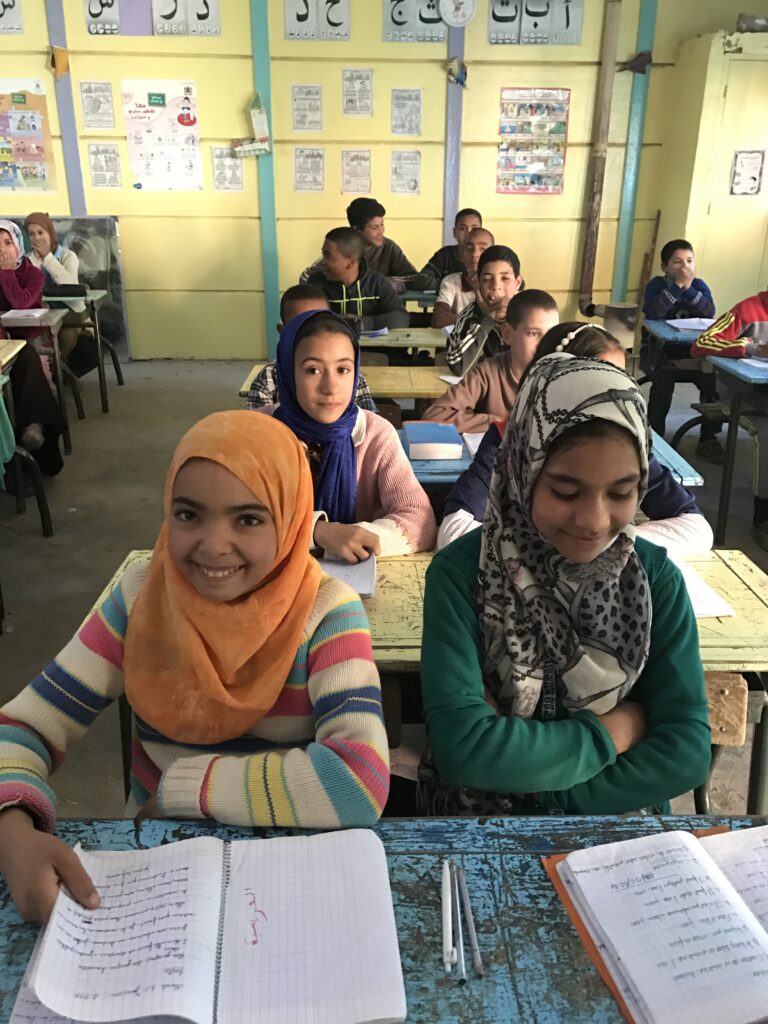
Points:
(319, 759)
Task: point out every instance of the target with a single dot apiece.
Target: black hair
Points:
(467, 212)
(673, 246)
(499, 254)
(363, 209)
(522, 304)
(298, 292)
(348, 241)
(589, 343)
(326, 322)
(592, 430)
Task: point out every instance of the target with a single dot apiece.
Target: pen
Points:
(448, 952)
(471, 933)
(457, 927)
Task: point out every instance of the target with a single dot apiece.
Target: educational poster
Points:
(153, 17)
(163, 135)
(747, 172)
(356, 170)
(203, 18)
(309, 170)
(406, 171)
(317, 19)
(26, 153)
(98, 108)
(169, 17)
(11, 23)
(227, 169)
(102, 17)
(548, 22)
(104, 161)
(307, 108)
(357, 92)
(533, 128)
(406, 111)
(413, 21)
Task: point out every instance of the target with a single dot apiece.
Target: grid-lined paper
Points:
(742, 856)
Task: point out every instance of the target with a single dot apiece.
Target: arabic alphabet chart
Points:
(102, 17)
(153, 17)
(326, 20)
(203, 18)
(11, 23)
(169, 17)
(413, 21)
(163, 135)
(26, 153)
(535, 22)
(533, 129)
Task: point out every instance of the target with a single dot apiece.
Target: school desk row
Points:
(536, 968)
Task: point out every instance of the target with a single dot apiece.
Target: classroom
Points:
(384, 387)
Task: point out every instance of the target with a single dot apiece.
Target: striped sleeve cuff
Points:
(36, 797)
(180, 793)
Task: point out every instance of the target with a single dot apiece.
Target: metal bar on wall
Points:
(57, 36)
(453, 105)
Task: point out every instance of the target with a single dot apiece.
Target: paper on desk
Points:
(378, 333)
(23, 314)
(758, 364)
(449, 379)
(692, 323)
(448, 330)
(472, 442)
(361, 576)
(707, 603)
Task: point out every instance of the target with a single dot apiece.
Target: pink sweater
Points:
(390, 500)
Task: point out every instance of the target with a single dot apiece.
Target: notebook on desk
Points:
(361, 576)
(287, 930)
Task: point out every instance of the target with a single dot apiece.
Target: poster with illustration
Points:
(406, 171)
(533, 129)
(163, 135)
(26, 153)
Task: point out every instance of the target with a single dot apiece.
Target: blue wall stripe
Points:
(453, 104)
(57, 36)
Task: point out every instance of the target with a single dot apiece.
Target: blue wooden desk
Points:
(742, 378)
(665, 332)
(682, 471)
(536, 969)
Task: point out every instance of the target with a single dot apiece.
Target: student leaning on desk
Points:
(250, 674)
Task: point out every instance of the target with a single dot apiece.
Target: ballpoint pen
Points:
(449, 954)
(470, 921)
(458, 934)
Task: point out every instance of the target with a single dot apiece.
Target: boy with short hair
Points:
(458, 290)
(674, 295)
(300, 298)
(489, 391)
(448, 259)
(352, 290)
(381, 254)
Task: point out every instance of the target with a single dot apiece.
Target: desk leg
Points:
(100, 359)
(59, 378)
(730, 459)
(757, 793)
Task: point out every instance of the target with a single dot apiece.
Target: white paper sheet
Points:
(11, 23)
(449, 379)
(104, 163)
(406, 112)
(102, 17)
(692, 323)
(163, 134)
(98, 108)
(707, 603)
(227, 169)
(307, 108)
(357, 92)
(472, 442)
(356, 171)
(361, 576)
(406, 171)
(308, 170)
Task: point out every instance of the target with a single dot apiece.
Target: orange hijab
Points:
(201, 671)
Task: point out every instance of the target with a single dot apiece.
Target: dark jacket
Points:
(370, 297)
(442, 263)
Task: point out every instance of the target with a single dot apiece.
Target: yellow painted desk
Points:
(387, 381)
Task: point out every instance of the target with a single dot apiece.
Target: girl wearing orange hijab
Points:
(250, 674)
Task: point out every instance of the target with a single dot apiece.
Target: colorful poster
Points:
(533, 129)
(552, 22)
(406, 111)
(307, 108)
(26, 153)
(11, 23)
(227, 169)
(309, 170)
(98, 108)
(357, 92)
(413, 21)
(102, 17)
(104, 160)
(317, 19)
(356, 171)
(406, 171)
(163, 135)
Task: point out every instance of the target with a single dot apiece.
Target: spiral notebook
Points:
(289, 930)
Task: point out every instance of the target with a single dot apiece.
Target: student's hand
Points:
(7, 260)
(150, 809)
(761, 350)
(626, 725)
(35, 864)
(684, 278)
(348, 541)
(42, 247)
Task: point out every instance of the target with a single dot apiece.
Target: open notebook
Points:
(681, 924)
(286, 930)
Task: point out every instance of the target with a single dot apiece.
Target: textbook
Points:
(678, 926)
(286, 930)
(361, 576)
(23, 317)
(427, 440)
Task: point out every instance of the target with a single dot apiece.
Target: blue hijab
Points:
(336, 478)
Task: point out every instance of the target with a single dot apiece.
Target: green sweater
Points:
(571, 764)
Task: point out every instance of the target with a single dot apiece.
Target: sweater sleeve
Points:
(724, 337)
(399, 264)
(341, 779)
(460, 404)
(23, 286)
(659, 298)
(687, 533)
(389, 312)
(64, 271)
(675, 754)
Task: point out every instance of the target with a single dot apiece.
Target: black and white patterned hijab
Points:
(583, 627)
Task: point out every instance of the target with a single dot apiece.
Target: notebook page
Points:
(149, 949)
(310, 934)
(361, 576)
(706, 602)
(742, 856)
(674, 928)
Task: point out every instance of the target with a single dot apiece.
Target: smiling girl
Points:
(560, 663)
(250, 674)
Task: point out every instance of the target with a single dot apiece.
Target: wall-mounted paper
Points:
(533, 130)
(747, 172)
(203, 18)
(26, 150)
(163, 134)
(554, 23)
(308, 170)
(104, 160)
(98, 108)
(406, 171)
(316, 19)
(356, 171)
(102, 17)
(307, 108)
(406, 111)
(413, 21)
(227, 169)
(11, 23)
(169, 17)
(357, 92)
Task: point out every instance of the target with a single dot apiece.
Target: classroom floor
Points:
(107, 501)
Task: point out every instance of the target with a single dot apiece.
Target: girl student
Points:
(560, 664)
(674, 520)
(366, 496)
(250, 673)
(60, 266)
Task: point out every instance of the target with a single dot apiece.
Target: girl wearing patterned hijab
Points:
(560, 661)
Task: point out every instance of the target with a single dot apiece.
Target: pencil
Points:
(457, 930)
(471, 933)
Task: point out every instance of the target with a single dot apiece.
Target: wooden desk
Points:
(405, 381)
(409, 337)
(425, 300)
(537, 971)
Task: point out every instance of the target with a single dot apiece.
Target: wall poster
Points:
(406, 171)
(327, 20)
(163, 134)
(308, 170)
(307, 108)
(104, 162)
(747, 172)
(406, 111)
(533, 128)
(545, 22)
(357, 92)
(11, 23)
(26, 153)
(413, 21)
(356, 171)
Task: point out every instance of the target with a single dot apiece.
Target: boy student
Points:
(381, 254)
(300, 298)
(352, 290)
(674, 295)
(488, 392)
(448, 259)
(743, 332)
(458, 290)
(477, 334)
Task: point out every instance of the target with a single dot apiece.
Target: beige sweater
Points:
(485, 394)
